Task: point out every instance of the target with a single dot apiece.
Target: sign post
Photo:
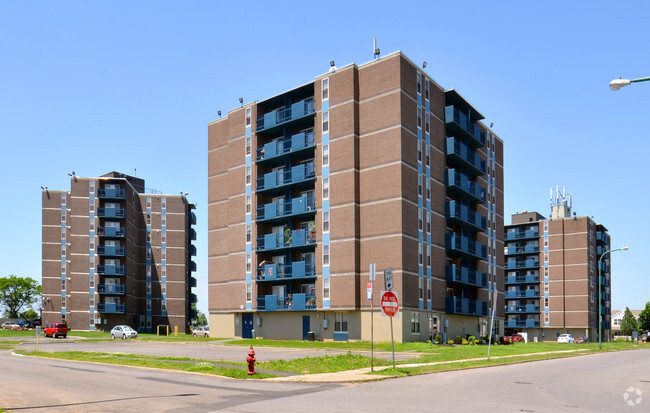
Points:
(372, 276)
(38, 335)
(390, 308)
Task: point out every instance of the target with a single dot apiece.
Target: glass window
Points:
(428, 156)
(326, 122)
(426, 90)
(325, 84)
(248, 204)
(415, 323)
(163, 203)
(421, 288)
(419, 152)
(326, 288)
(326, 221)
(340, 322)
(148, 202)
(248, 233)
(248, 116)
(420, 225)
(248, 145)
(419, 118)
(326, 155)
(428, 222)
(419, 185)
(429, 256)
(419, 83)
(420, 254)
(426, 123)
(428, 190)
(326, 188)
(249, 265)
(429, 291)
(326, 255)
(249, 292)
(248, 175)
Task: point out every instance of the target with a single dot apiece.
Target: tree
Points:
(628, 323)
(201, 319)
(16, 293)
(644, 318)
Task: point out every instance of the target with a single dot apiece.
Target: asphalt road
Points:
(592, 383)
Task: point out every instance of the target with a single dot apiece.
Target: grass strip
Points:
(324, 364)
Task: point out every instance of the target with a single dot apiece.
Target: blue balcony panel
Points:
(113, 270)
(111, 212)
(191, 234)
(192, 298)
(281, 149)
(522, 265)
(191, 265)
(111, 193)
(527, 249)
(462, 215)
(191, 249)
(286, 114)
(276, 180)
(295, 270)
(294, 302)
(459, 124)
(512, 235)
(522, 279)
(111, 308)
(111, 232)
(464, 246)
(191, 282)
(111, 251)
(296, 239)
(192, 218)
(283, 209)
(462, 185)
(459, 154)
(522, 309)
(528, 323)
(111, 289)
(514, 294)
(464, 275)
(466, 306)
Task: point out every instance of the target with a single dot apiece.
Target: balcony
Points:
(279, 210)
(191, 266)
(295, 270)
(111, 212)
(465, 246)
(604, 296)
(466, 306)
(521, 309)
(605, 325)
(522, 279)
(604, 282)
(519, 235)
(111, 289)
(284, 115)
(111, 232)
(298, 238)
(295, 302)
(604, 310)
(602, 237)
(112, 270)
(459, 124)
(528, 249)
(515, 294)
(279, 179)
(111, 193)
(111, 308)
(463, 275)
(191, 282)
(462, 215)
(111, 251)
(530, 323)
(191, 249)
(460, 154)
(192, 218)
(461, 185)
(279, 150)
(191, 234)
(192, 298)
(522, 265)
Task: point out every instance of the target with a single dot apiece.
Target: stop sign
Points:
(389, 303)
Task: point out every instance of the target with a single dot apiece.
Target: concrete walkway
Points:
(362, 375)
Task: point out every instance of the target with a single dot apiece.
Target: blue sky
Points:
(82, 81)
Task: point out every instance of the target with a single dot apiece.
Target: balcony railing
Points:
(298, 238)
(281, 209)
(602, 237)
(528, 323)
(295, 302)
(466, 306)
(458, 212)
(192, 218)
(295, 143)
(191, 249)
(111, 289)
(111, 251)
(529, 308)
(191, 266)
(283, 177)
(517, 235)
(192, 298)
(465, 246)
(522, 294)
(522, 279)
(111, 212)
(528, 249)
(279, 116)
(464, 275)
(111, 308)
(111, 232)
(115, 270)
(298, 269)
(461, 184)
(191, 282)
(191, 234)
(517, 265)
(111, 193)
(458, 122)
(459, 152)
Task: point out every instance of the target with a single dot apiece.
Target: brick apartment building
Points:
(113, 254)
(367, 164)
(552, 274)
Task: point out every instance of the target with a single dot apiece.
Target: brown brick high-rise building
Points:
(367, 164)
(552, 274)
(113, 254)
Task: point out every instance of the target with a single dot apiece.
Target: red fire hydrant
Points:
(251, 361)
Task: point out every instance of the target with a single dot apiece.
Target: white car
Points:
(123, 332)
(566, 338)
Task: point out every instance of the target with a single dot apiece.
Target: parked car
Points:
(581, 340)
(517, 338)
(8, 325)
(201, 332)
(566, 338)
(124, 332)
(56, 330)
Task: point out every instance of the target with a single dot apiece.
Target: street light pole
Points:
(600, 317)
(616, 84)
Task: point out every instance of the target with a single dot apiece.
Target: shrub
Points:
(458, 340)
(477, 341)
(450, 342)
(471, 338)
(438, 338)
(464, 342)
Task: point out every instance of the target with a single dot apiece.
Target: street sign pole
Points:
(392, 342)
(390, 308)
(372, 310)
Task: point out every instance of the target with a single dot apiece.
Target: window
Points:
(420, 226)
(340, 322)
(149, 304)
(428, 190)
(248, 263)
(419, 152)
(248, 116)
(163, 305)
(419, 185)
(163, 220)
(326, 122)
(428, 222)
(63, 250)
(163, 254)
(426, 89)
(63, 284)
(91, 204)
(249, 292)
(429, 256)
(148, 202)
(419, 83)
(415, 323)
(148, 288)
(248, 175)
(420, 254)
(421, 288)
(248, 233)
(163, 236)
(148, 236)
(545, 301)
(62, 306)
(248, 204)
(419, 118)
(326, 255)
(163, 288)
(163, 203)
(326, 188)
(426, 123)
(325, 85)
(148, 253)
(429, 291)
(326, 221)
(148, 219)
(326, 288)
(428, 156)
(326, 155)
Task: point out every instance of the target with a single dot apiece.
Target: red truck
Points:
(56, 330)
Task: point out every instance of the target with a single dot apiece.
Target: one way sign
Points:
(388, 279)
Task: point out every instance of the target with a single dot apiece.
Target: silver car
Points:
(566, 338)
(123, 332)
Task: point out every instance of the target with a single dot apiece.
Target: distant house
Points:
(617, 317)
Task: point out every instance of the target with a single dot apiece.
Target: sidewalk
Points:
(362, 375)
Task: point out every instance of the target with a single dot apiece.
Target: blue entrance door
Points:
(247, 325)
(305, 327)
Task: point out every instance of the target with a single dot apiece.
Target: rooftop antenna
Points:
(375, 49)
(135, 172)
